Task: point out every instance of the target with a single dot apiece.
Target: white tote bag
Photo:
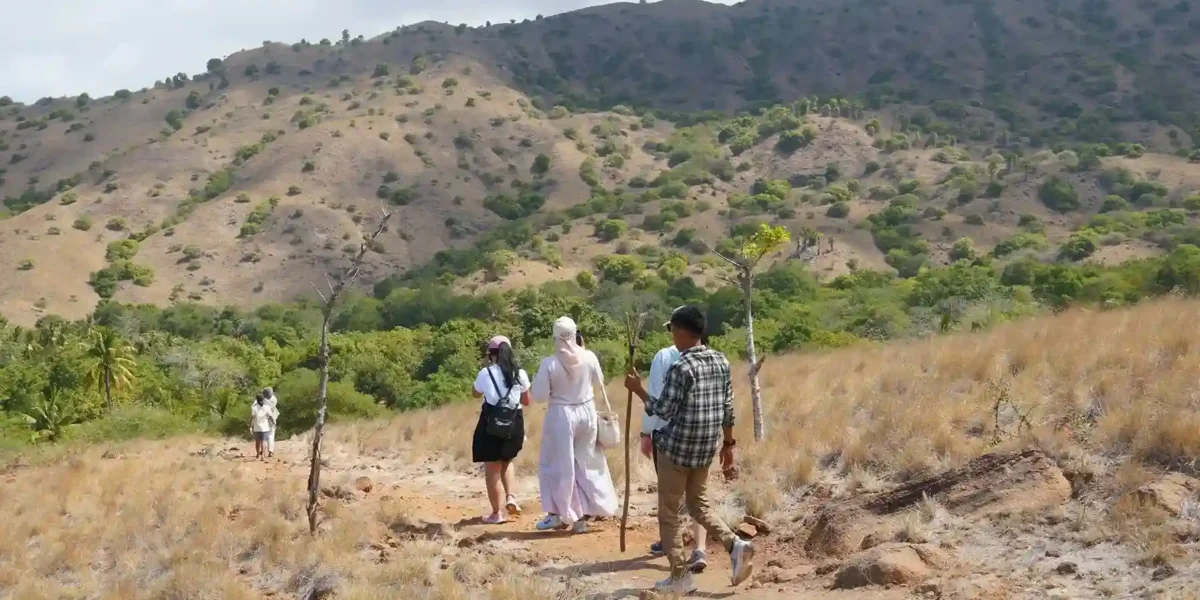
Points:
(608, 424)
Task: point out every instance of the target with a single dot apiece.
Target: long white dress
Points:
(272, 402)
(573, 474)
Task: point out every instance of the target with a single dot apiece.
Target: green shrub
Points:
(1077, 247)
(838, 210)
(133, 422)
(620, 269)
(1059, 195)
(83, 223)
(541, 165)
(1113, 203)
(610, 229)
(121, 250)
(344, 402)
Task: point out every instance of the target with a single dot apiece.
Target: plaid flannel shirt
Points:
(697, 400)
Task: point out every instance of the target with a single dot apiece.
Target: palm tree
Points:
(112, 361)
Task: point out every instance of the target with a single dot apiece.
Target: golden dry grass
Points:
(184, 527)
(1086, 386)
(1111, 392)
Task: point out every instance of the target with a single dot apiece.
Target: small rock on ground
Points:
(891, 564)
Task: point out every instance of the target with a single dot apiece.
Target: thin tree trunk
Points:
(107, 388)
(314, 473)
(327, 310)
(760, 431)
(628, 466)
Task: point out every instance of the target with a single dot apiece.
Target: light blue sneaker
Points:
(550, 522)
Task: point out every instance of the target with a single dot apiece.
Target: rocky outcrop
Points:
(991, 484)
(891, 564)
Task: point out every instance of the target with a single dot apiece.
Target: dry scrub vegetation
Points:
(93, 526)
(1108, 387)
(1109, 396)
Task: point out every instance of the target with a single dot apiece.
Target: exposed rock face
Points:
(1170, 492)
(991, 484)
(891, 564)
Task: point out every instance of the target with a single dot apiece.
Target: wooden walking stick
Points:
(633, 330)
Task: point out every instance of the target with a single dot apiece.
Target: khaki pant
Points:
(675, 484)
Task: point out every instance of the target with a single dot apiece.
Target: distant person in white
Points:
(573, 474)
(271, 400)
(260, 424)
(662, 361)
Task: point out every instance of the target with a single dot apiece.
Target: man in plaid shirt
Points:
(697, 400)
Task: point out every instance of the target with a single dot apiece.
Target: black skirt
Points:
(486, 447)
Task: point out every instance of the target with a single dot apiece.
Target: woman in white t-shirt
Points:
(502, 384)
(573, 473)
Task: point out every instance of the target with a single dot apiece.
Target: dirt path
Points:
(449, 504)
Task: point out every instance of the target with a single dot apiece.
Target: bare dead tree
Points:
(329, 302)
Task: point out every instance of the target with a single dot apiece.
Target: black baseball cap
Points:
(688, 318)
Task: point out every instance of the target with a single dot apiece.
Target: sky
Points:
(65, 47)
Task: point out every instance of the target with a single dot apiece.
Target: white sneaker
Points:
(550, 522)
(742, 561)
(579, 526)
(681, 586)
(512, 507)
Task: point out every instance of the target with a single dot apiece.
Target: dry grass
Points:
(1109, 392)
(1096, 388)
(184, 527)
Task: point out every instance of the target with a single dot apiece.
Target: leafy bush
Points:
(838, 210)
(610, 229)
(963, 249)
(106, 280)
(1078, 247)
(1059, 195)
(1020, 241)
(513, 208)
(792, 141)
(121, 250)
(541, 165)
(258, 217)
(83, 223)
(1113, 203)
(620, 269)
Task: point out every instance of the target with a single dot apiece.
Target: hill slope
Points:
(452, 120)
(1044, 448)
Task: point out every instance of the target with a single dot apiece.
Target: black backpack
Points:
(501, 418)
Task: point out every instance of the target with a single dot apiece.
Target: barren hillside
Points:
(243, 184)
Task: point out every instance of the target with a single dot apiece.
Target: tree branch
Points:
(735, 263)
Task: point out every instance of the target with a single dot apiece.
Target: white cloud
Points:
(65, 47)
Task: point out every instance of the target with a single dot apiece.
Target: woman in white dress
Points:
(573, 473)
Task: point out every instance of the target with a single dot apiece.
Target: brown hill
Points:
(448, 117)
